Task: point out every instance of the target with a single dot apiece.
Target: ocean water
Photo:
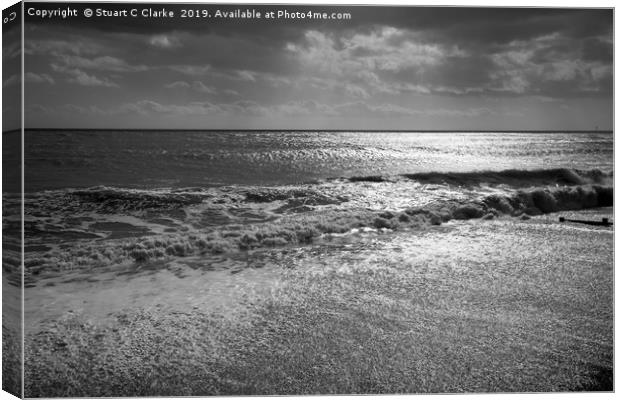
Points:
(57, 159)
(105, 198)
(188, 192)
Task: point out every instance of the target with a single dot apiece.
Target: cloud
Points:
(202, 88)
(245, 107)
(360, 108)
(61, 47)
(369, 63)
(77, 76)
(549, 65)
(86, 110)
(197, 86)
(246, 75)
(11, 50)
(385, 49)
(178, 85)
(164, 41)
(103, 63)
(31, 77)
(250, 76)
(387, 63)
(192, 70)
(38, 109)
(237, 108)
(84, 79)
(12, 80)
(78, 62)
(297, 108)
(80, 77)
(356, 91)
(146, 107)
(303, 107)
(395, 61)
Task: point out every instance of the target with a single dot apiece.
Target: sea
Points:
(104, 204)
(63, 159)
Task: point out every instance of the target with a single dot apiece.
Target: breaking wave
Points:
(518, 178)
(108, 199)
(309, 227)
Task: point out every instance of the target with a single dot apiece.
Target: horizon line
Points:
(326, 130)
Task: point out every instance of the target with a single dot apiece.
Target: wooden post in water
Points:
(604, 221)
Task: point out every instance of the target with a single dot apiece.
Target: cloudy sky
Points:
(385, 68)
(11, 70)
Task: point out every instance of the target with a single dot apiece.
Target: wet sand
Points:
(499, 305)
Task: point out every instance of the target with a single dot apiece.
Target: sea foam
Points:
(304, 227)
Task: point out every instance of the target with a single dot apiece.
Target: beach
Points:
(381, 272)
(457, 308)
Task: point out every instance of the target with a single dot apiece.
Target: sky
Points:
(11, 71)
(385, 68)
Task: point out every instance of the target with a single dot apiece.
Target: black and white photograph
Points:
(288, 199)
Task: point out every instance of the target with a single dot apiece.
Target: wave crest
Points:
(518, 178)
(306, 228)
(107, 199)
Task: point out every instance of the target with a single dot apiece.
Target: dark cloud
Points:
(384, 62)
(463, 24)
(498, 26)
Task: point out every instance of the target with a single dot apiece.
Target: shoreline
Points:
(99, 227)
(370, 293)
(310, 289)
